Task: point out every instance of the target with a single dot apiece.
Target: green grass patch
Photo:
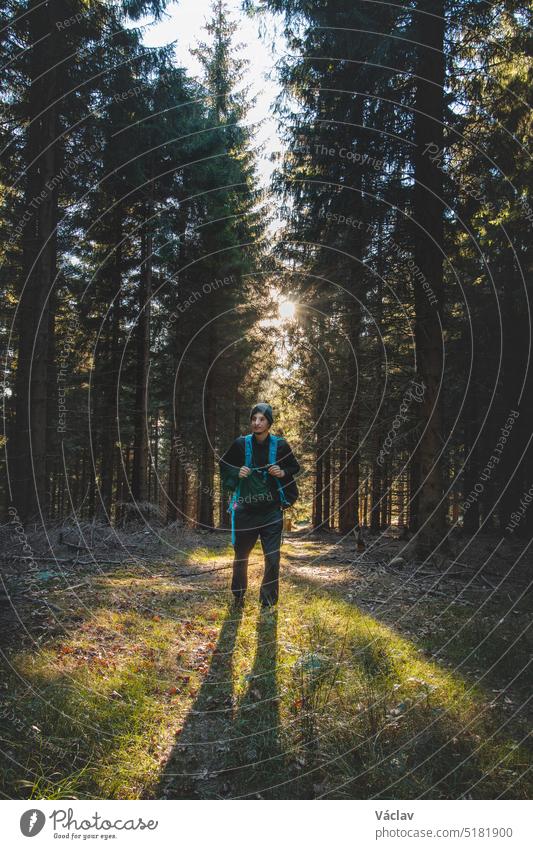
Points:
(158, 689)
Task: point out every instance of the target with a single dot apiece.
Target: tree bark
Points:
(326, 518)
(428, 239)
(207, 472)
(471, 447)
(27, 466)
(349, 508)
(140, 443)
(317, 514)
(110, 376)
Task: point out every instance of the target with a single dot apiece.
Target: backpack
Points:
(288, 493)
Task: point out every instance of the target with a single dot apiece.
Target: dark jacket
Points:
(233, 459)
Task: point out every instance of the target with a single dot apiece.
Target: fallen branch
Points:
(74, 545)
(47, 558)
(74, 587)
(489, 583)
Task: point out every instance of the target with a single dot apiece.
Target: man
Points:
(258, 510)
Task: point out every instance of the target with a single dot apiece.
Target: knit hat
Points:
(265, 409)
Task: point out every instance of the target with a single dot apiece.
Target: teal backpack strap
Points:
(248, 450)
(273, 449)
(272, 456)
(231, 511)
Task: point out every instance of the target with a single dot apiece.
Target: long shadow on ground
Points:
(257, 757)
(225, 751)
(195, 759)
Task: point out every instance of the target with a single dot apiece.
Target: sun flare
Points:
(286, 310)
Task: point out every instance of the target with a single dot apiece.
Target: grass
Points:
(156, 688)
(206, 555)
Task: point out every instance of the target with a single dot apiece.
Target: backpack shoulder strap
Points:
(248, 450)
(272, 457)
(273, 449)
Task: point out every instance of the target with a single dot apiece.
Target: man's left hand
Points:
(276, 472)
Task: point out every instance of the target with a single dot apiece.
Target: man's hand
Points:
(276, 472)
(244, 471)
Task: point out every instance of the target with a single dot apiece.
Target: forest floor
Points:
(374, 678)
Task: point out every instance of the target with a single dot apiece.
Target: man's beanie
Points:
(265, 409)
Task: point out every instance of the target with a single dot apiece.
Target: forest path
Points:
(360, 656)
(374, 677)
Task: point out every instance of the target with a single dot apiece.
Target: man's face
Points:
(260, 423)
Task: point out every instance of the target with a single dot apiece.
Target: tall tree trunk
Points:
(172, 480)
(54, 460)
(237, 412)
(376, 492)
(183, 501)
(28, 456)
(385, 494)
(326, 518)
(140, 443)
(365, 500)
(76, 482)
(119, 486)
(428, 239)
(80, 503)
(471, 447)
(174, 509)
(349, 509)
(342, 478)
(401, 502)
(514, 484)
(153, 467)
(317, 511)
(334, 478)
(207, 474)
(110, 400)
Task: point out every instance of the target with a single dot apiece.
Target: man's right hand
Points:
(244, 471)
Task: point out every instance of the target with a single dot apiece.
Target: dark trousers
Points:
(245, 539)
